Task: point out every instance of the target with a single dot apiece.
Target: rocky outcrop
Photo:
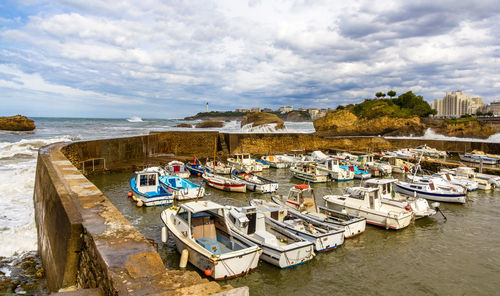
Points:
(471, 129)
(297, 116)
(208, 124)
(184, 125)
(345, 123)
(262, 118)
(17, 123)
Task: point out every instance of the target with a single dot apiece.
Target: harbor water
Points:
(433, 256)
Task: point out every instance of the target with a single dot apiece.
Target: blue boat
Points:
(265, 164)
(150, 193)
(358, 173)
(182, 189)
(195, 167)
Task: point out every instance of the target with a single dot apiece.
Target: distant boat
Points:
(134, 119)
(182, 189)
(147, 186)
(255, 182)
(223, 183)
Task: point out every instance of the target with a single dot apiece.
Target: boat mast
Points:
(215, 149)
(418, 164)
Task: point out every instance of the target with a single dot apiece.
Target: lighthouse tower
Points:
(207, 106)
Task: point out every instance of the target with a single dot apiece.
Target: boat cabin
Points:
(365, 158)
(330, 163)
(301, 197)
(370, 197)
(384, 186)
(466, 172)
(243, 158)
(176, 167)
(147, 183)
(203, 221)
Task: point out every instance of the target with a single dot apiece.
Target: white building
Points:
(456, 104)
(285, 109)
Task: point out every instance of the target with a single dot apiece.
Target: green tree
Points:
(380, 94)
(416, 104)
(434, 112)
(340, 107)
(391, 94)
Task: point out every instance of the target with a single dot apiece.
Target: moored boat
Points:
(275, 161)
(201, 229)
(147, 186)
(265, 165)
(280, 247)
(255, 182)
(332, 167)
(301, 201)
(195, 167)
(220, 168)
(177, 168)
(478, 158)
(309, 172)
(324, 236)
(358, 173)
(431, 191)
(243, 161)
(367, 203)
(223, 183)
(182, 189)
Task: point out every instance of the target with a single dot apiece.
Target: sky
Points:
(167, 59)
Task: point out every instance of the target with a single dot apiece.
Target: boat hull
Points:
(455, 198)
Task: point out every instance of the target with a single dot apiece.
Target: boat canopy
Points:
(200, 206)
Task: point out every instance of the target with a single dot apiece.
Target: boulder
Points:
(208, 124)
(262, 118)
(297, 116)
(345, 123)
(17, 123)
(184, 125)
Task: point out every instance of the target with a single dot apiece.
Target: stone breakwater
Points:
(86, 243)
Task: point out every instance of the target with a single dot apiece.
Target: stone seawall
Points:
(85, 242)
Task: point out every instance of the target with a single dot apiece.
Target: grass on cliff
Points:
(405, 106)
(462, 120)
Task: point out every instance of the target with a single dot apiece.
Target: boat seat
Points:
(266, 238)
(203, 227)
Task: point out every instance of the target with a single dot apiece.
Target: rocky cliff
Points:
(345, 123)
(262, 118)
(208, 124)
(17, 123)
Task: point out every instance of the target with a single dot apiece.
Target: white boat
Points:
(309, 172)
(279, 246)
(431, 191)
(478, 158)
(275, 162)
(181, 188)
(223, 183)
(201, 228)
(419, 206)
(254, 182)
(367, 203)
(220, 168)
(470, 185)
(332, 167)
(468, 173)
(243, 161)
(493, 181)
(149, 192)
(301, 201)
(398, 165)
(324, 237)
(428, 151)
(376, 168)
(177, 168)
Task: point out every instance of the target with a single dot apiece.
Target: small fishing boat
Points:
(254, 182)
(324, 236)
(431, 191)
(309, 172)
(493, 181)
(223, 183)
(177, 168)
(398, 165)
(182, 189)
(470, 185)
(468, 173)
(367, 203)
(147, 186)
(195, 167)
(265, 164)
(275, 161)
(376, 168)
(301, 201)
(428, 151)
(358, 173)
(419, 206)
(332, 167)
(202, 236)
(243, 161)
(280, 247)
(478, 158)
(220, 168)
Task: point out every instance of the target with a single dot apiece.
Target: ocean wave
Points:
(432, 135)
(29, 147)
(134, 119)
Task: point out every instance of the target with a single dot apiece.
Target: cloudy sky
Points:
(156, 59)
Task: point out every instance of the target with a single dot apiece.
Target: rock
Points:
(471, 129)
(345, 123)
(184, 125)
(17, 123)
(297, 116)
(262, 118)
(207, 124)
